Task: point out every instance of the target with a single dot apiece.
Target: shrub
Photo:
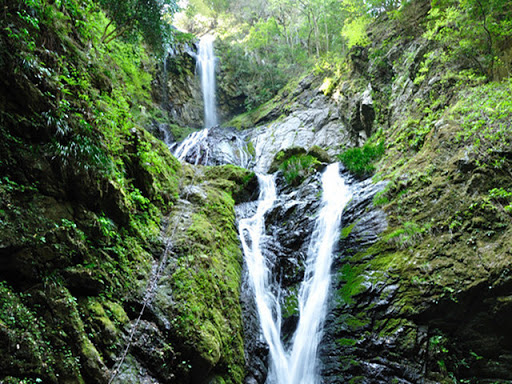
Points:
(360, 160)
(297, 167)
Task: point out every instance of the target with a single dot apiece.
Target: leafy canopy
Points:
(474, 32)
(147, 17)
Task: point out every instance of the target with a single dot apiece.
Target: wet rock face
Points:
(229, 146)
(178, 89)
(291, 222)
(317, 124)
(426, 308)
(304, 118)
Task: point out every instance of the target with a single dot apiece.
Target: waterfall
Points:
(296, 364)
(206, 66)
(194, 148)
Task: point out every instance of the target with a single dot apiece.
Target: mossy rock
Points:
(156, 172)
(320, 153)
(315, 151)
(297, 164)
(241, 183)
(207, 276)
(283, 155)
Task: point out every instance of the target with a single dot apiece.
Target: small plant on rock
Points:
(296, 168)
(360, 160)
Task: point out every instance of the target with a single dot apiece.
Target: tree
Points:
(477, 31)
(143, 16)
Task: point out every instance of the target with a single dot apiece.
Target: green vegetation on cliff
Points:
(206, 277)
(433, 285)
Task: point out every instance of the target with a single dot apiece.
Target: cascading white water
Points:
(206, 66)
(251, 234)
(194, 146)
(298, 363)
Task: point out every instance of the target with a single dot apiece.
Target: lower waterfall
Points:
(296, 363)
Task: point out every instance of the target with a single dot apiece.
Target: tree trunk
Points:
(317, 37)
(326, 36)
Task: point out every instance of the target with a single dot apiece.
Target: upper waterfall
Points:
(206, 67)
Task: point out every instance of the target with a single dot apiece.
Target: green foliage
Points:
(472, 32)
(257, 74)
(485, 113)
(502, 197)
(264, 45)
(34, 344)
(297, 167)
(138, 16)
(360, 160)
(408, 235)
(354, 32)
(290, 305)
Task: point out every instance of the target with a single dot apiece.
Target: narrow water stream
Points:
(296, 363)
(206, 65)
(195, 147)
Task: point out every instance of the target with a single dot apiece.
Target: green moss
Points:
(237, 181)
(352, 282)
(346, 342)
(251, 149)
(180, 133)
(356, 323)
(253, 118)
(207, 280)
(160, 174)
(106, 183)
(346, 231)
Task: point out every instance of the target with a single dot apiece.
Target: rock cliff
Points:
(119, 264)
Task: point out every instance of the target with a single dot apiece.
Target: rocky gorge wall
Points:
(117, 263)
(102, 229)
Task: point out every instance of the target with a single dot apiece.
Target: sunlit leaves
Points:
(473, 32)
(144, 16)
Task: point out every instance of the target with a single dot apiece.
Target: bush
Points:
(360, 160)
(297, 167)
